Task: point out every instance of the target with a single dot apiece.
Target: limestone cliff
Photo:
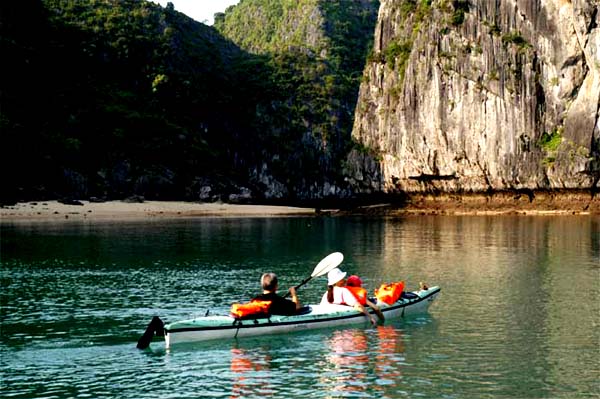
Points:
(480, 95)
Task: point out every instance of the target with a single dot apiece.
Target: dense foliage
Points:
(317, 51)
(109, 98)
(112, 98)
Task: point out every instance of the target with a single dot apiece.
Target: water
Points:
(518, 317)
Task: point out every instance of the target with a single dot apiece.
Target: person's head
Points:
(336, 277)
(268, 281)
(354, 281)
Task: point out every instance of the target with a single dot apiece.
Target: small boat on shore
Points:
(310, 317)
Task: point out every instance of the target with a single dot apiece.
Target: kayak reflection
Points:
(350, 360)
(363, 359)
(389, 354)
(251, 370)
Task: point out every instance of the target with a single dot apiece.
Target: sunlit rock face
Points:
(479, 95)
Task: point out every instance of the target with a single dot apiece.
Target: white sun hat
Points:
(334, 276)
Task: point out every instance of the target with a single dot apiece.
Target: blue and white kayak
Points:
(311, 317)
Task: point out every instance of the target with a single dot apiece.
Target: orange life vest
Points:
(252, 309)
(359, 293)
(389, 293)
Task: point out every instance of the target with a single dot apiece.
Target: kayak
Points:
(308, 318)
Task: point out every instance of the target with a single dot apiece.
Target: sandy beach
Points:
(446, 204)
(119, 210)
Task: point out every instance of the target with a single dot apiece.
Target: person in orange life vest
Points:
(354, 284)
(338, 294)
(279, 305)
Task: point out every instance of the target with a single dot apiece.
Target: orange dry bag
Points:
(252, 309)
(389, 293)
(359, 293)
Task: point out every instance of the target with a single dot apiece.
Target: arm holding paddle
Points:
(292, 292)
(325, 266)
(376, 309)
(363, 310)
(352, 294)
(347, 297)
(354, 283)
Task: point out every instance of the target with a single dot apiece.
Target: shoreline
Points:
(490, 204)
(118, 210)
(417, 205)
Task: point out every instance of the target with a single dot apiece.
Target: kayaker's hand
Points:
(295, 297)
(373, 321)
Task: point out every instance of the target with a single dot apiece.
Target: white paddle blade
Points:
(327, 264)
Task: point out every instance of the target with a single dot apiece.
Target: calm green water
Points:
(518, 317)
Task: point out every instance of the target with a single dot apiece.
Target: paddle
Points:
(326, 265)
(156, 326)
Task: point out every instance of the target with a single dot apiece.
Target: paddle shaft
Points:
(326, 264)
(299, 285)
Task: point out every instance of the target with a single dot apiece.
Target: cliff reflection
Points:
(476, 243)
(511, 281)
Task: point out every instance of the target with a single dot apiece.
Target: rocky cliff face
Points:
(478, 95)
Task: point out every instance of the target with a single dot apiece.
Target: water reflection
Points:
(251, 373)
(348, 360)
(360, 361)
(390, 355)
(518, 315)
